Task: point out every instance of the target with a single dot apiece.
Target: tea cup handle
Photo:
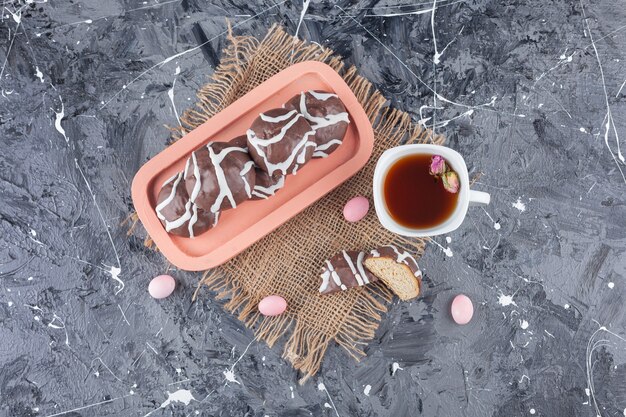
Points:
(479, 198)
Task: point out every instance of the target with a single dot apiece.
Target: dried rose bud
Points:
(437, 165)
(451, 182)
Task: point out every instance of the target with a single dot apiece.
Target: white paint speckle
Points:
(29, 278)
(327, 405)
(611, 285)
(448, 239)
(115, 274)
(625, 411)
(17, 16)
(10, 303)
(395, 367)
(566, 306)
(37, 318)
(367, 390)
(178, 371)
(321, 386)
(57, 122)
(532, 411)
(448, 252)
(292, 394)
(38, 74)
(519, 205)
(506, 300)
(181, 396)
(496, 226)
(523, 324)
(587, 392)
(582, 129)
(230, 376)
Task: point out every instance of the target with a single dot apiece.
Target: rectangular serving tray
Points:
(239, 228)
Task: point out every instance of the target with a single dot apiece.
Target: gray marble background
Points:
(530, 92)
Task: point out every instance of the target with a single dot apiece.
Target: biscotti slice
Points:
(397, 269)
(345, 270)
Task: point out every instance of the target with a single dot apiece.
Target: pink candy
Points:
(356, 208)
(272, 305)
(462, 309)
(161, 286)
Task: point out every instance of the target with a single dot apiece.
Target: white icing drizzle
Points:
(258, 144)
(172, 178)
(320, 150)
(325, 280)
(335, 277)
(322, 96)
(178, 177)
(359, 265)
(301, 160)
(191, 211)
(196, 174)
(194, 193)
(247, 167)
(265, 192)
(192, 220)
(320, 122)
(403, 258)
(277, 119)
(352, 268)
(216, 218)
(175, 224)
(225, 191)
(375, 253)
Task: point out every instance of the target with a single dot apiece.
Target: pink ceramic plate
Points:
(241, 227)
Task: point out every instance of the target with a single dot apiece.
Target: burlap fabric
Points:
(288, 261)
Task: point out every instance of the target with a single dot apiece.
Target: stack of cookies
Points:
(222, 175)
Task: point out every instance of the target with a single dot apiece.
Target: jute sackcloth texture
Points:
(287, 262)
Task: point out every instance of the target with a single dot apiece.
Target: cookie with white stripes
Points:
(327, 116)
(280, 141)
(178, 214)
(345, 270)
(220, 175)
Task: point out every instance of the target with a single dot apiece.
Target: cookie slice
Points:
(345, 270)
(397, 269)
(179, 215)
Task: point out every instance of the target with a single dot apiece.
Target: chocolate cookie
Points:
(280, 141)
(327, 116)
(345, 270)
(220, 175)
(178, 214)
(266, 186)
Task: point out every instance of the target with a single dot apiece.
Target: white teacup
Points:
(454, 160)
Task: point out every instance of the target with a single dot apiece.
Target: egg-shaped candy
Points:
(161, 286)
(356, 208)
(272, 305)
(462, 309)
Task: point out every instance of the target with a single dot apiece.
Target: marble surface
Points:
(530, 92)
